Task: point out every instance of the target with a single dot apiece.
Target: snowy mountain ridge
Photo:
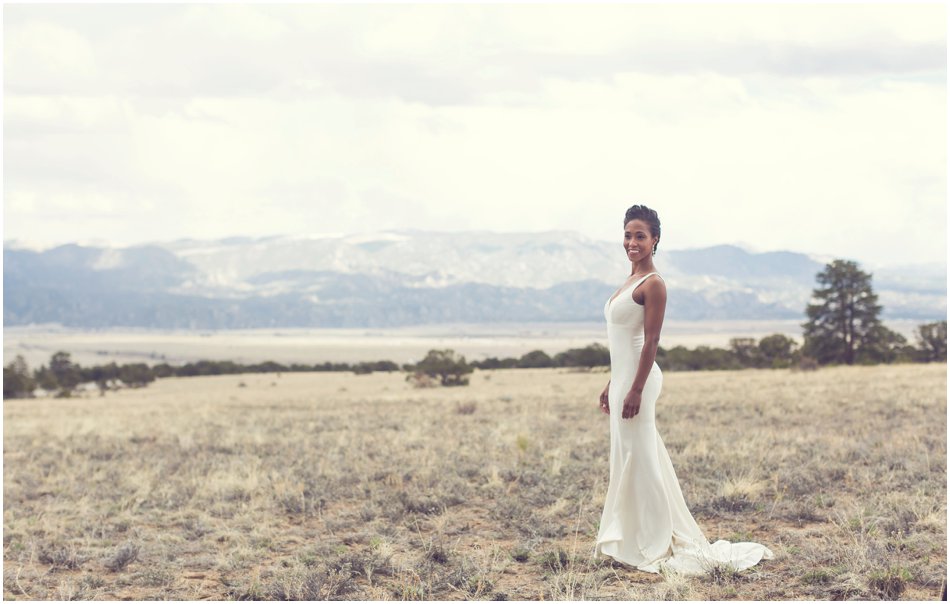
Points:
(412, 277)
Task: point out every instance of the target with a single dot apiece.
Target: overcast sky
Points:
(813, 128)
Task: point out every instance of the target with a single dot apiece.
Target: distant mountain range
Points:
(403, 278)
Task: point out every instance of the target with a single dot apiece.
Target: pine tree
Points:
(17, 381)
(843, 321)
(67, 373)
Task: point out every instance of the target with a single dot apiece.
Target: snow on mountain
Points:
(412, 277)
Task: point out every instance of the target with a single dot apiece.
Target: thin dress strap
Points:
(644, 278)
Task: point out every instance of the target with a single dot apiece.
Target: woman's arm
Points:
(654, 309)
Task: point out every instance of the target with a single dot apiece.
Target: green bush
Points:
(593, 355)
(450, 368)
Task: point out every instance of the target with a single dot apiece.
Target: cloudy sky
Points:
(813, 128)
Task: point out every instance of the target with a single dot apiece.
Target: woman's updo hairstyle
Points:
(648, 216)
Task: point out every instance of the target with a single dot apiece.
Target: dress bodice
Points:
(622, 311)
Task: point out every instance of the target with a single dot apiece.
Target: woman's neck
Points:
(644, 266)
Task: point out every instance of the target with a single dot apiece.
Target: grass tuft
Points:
(124, 555)
(890, 583)
(555, 560)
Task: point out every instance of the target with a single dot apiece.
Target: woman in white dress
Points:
(645, 522)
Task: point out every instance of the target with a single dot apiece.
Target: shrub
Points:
(126, 554)
(421, 380)
(932, 341)
(778, 350)
(593, 355)
(465, 408)
(450, 368)
(535, 358)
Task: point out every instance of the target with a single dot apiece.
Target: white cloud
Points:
(233, 21)
(816, 128)
(36, 53)
(90, 114)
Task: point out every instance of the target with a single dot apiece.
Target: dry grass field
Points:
(316, 486)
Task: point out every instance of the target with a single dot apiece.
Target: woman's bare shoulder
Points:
(654, 288)
(655, 283)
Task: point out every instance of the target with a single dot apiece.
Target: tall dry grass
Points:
(335, 486)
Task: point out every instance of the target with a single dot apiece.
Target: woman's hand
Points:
(631, 404)
(604, 399)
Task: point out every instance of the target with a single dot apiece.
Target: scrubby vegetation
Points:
(340, 486)
(776, 351)
(450, 368)
(62, 376)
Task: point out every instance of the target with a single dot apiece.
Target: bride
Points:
(645, 522)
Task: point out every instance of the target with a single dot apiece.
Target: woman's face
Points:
(637, 240)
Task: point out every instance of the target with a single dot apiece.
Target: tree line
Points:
(843, 327)
(775, 351)
(62, 375)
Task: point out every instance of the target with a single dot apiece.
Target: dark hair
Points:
(646, 215)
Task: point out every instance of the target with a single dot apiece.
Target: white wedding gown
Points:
(645, 522)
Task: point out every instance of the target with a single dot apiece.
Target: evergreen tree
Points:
(932, 341)
(17, 381)
(843, 321)
(67, 373)
(45, 378)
